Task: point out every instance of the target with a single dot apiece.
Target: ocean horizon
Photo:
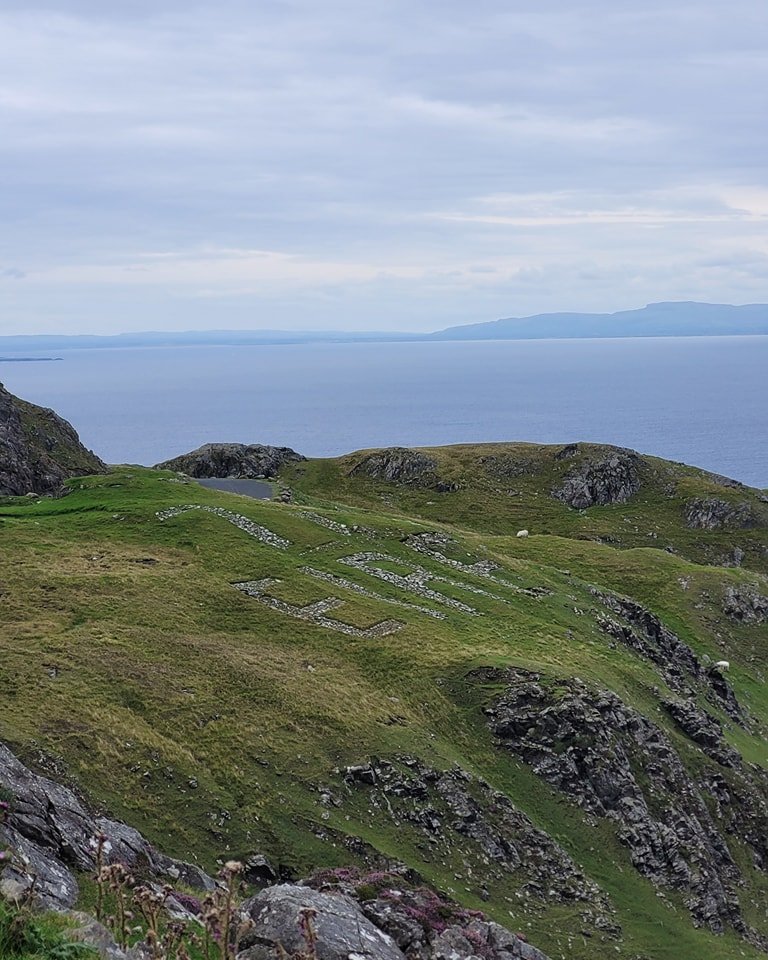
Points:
(698, 400)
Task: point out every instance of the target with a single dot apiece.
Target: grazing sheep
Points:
(722, 665)
(522, 533)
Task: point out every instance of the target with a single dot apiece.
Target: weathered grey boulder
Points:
(612, 478)
(396, 465)
(39, 451)
(343, 932)
(51, 834)
(238, 460)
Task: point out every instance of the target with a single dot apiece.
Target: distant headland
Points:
(668, 319)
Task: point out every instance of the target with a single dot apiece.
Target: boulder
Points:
(279, 916)
(237, 460)
(39, 451)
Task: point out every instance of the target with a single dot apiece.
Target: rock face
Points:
(51, 833)
(238, 460)
(642, 631)
(397, 465)
(372, 918)
(616, 764)
(612, 478)
(745, 605)
(712, 513)
(452, 811)
(39, 451)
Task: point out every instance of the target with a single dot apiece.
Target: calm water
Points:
(700, 400)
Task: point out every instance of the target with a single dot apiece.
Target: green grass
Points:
(26, 936)
(129, 659)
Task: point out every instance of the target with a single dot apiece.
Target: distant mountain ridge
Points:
(665, 319)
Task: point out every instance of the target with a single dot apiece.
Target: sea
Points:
(699, 400)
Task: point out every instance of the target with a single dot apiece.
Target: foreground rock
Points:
(51, 833)
(337, 915)
(237, 460)
(372, 917)
(39, 451)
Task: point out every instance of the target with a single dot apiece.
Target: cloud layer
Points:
(170, 165)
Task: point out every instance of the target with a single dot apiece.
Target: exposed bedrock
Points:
(712, 513)
(387, 923)
(615, 763)
(614, 477)
(397, 465)
(51, 833)
(39, 451)
(237, 460)
(642, 631)
(451, 813)
(745, 604)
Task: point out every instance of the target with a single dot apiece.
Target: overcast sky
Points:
(376, 165)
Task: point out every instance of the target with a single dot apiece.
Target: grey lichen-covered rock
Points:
(712, 513)
(342, 931)
(237, 460)
(39, 451)
(51, 833)
(396, 465)
(612, 478)
(401, 921)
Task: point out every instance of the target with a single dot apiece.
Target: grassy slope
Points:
(208, 720)
(511, 490)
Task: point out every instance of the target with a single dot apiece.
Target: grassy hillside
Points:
(501, 488)
(219, 719)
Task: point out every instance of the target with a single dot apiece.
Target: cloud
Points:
(487, 160)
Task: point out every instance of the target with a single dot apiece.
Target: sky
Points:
(397, 165)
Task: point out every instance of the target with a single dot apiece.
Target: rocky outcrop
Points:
(644, 632)
(705, 730)
(397, 465)
(451, 813)
(237, 460)
(378, 916)
(616, 764)
(712, 513)
(339, 914)
(611, 478)
(39, 451)
(51, 833)
(745, 604)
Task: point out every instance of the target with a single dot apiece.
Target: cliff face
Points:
(39, 450)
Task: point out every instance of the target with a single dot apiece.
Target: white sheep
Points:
(722, 665)
(522, 533)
